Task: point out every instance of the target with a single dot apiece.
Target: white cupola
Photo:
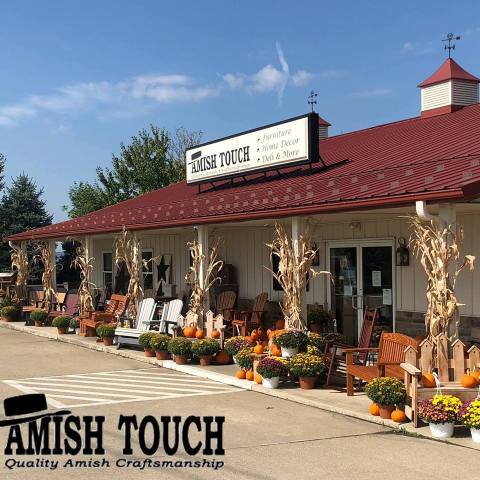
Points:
(448, 89)
(322, 128)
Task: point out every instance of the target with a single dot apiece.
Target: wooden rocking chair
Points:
(115, 308)
(243, 321)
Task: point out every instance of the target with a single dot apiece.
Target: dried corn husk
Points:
(43, 255)
(85, 265)
(19, 259)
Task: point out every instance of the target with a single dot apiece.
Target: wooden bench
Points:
(391, 353)
(115, 308)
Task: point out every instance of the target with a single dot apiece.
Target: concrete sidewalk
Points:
(328, 399)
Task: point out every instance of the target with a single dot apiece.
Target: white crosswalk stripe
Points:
(119, 386)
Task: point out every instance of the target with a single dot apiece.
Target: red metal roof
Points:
(434, 159)
(449, 70)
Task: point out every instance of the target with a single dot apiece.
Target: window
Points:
(107, 273)
(147, 269)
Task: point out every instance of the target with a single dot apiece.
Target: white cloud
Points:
(417, 48)
(301, 78)
(376, 92)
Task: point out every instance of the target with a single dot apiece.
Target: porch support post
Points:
(298, 227)
(51, 247)
(202, 231)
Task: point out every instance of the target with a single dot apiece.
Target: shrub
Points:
(439, 409)
(206, 346)
(244, 358)
(306, 365)
(316, 340)
(180, 346)
(159, 342)
(6, 302)
(74, 323)
(270, 367)
(145, 338)
(11, 311)
(106, 330)
(469, 414)
(386, 391)
(314, 351)
(62, 321)
(318, 316)
(235, 344)
(292, 338)
(39, 315)
(333, 338)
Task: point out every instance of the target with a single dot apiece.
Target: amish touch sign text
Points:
(282, 144)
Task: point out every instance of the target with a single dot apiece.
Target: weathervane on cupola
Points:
(450, 38)
(312, 99)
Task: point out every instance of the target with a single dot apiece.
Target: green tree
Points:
(153, 159)
(22, 209)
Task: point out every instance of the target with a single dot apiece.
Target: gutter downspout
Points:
(423, 213)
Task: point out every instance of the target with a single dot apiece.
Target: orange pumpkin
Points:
(398, 416)
(200, 334)
(469, 381)
(190, 331)
(258, 349)
(476, 374)
(215, 334)
(374, 409)
(254, 335)
(241, 374)
(428, 380)
(223, 358)
(258, 378)
(250, 340)
(249, 375)
(275, 351)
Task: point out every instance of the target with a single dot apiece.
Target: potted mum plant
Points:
(11, 313)
(387, 393)
(204, 349)
(271, 369)
(469, 415)
(106, 331)
(234, 344)
(307, 368)
(144, 341)
(62, 322)
(159, 343)
(244, 359)
(440, 412)
(181, 348)
(39, 316)
(290, 341)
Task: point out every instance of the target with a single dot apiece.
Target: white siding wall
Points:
(245, 249)
(436, 96)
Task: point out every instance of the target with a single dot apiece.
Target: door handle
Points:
(356, 302)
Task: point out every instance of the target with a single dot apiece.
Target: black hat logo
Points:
(195, 155)
(21, 408)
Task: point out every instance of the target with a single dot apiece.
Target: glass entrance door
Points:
(363, 276)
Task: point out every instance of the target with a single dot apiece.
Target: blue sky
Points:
(78, 78)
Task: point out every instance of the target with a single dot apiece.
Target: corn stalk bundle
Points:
(85, 265)
(19, 259)
(294, 264)
(438, 248)
(43, 255)
(128, 250)
(201, 286)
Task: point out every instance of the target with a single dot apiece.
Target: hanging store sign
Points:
(282, 144)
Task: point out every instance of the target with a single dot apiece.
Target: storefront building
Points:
(354, 190)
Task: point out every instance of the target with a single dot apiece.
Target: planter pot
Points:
(8, 319)
(77, 330)
(162, 354)
(108, 341)
(181, 359)
(205, 360)
(441, 430)
(307, 383)
(62, 330)
(37, 323)
(289, 352)
(271, 382)
(149, 352)
(475, 435)
(385, 411)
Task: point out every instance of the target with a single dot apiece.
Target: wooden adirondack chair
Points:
(243, 321)
(391, 353)
(129, 336)
(115, 308)
(35, 301)
(225, 305)
(71, 304)
(171, 316)
(334, 353)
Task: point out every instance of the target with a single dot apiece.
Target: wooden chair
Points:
(391, 353)
(334, 353)
(35, 300)
(129, 336)
(115, 308)
(71, 305)
(243, 321)
(225, 305)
